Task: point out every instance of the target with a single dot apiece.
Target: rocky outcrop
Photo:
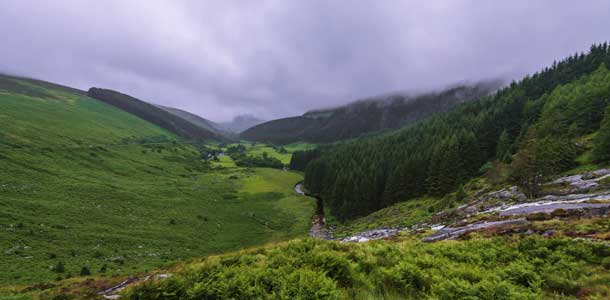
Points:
(494, 200)
(455, 232)
(581, 182)
(114, 292)
(374, 234)
(550, 203)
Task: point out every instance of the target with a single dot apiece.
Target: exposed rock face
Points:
(550, 203)
(582, 196)
(582, 182)
(114, 292)
(494, 200)
(454, 232)
(375, 234)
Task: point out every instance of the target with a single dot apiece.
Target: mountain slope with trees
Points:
(542, 119)
(365, 116)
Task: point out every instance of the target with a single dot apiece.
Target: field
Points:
(85, 187)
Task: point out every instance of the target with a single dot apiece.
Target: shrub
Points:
(522, 273)
(58, 268)
(335, 266)
(84, 271)
(406, 278)
(304, 284)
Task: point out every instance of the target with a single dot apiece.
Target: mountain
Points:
(160, 117)
(201, 122)
(365, 116)
(539, 127)
(241, 123)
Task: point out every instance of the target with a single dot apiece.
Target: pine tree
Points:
(504, 148)
(601, 144)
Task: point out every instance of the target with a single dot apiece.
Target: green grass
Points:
(299, 146)
(257, 149)
(73, 191)
(403, 214)
(225, 162)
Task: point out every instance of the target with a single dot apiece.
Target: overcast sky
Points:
(281, 58)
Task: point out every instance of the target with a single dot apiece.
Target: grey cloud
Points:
(277, 58)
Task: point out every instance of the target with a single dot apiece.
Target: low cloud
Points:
(279, 58)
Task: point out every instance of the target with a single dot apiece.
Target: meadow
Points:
(87, 188)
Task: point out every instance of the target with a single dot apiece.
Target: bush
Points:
(58, 268)
(304, 284)
(505, 268)
(523, 274)
(334, 266)
(406, 278)
(84, 271)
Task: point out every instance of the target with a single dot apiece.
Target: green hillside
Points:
(362, 117)
(201, 122)
(86, 185)
(156, 115)
(539, 126)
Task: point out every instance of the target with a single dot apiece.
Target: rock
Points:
(374, 234)
(582, 182)
(437, 227)
(548, 233)
(454, 232)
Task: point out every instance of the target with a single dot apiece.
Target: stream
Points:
(318, 223)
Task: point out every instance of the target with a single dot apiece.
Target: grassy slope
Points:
(130, 207)
(499, 268)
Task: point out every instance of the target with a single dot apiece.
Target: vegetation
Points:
(363, 117)
(601, 154)
(544, 116)
(201, 122)
(164, 119)
(238, 154)
(301, 158)
(119, 195)
(500, 268)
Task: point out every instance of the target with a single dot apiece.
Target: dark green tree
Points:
(601, 144)
(504, 149)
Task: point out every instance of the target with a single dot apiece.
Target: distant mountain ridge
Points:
(158, 116)
(364, 116)
(240, 123)
(201, 122)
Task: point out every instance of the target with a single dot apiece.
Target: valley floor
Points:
(130, 209)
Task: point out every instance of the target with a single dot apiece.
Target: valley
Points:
(116, 195)
(476, 191)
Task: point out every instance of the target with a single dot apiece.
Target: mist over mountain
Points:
(201, 122)
(389, 111)
(241, 123)
(370, 150)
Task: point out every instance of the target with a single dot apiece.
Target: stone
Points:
(548, 233)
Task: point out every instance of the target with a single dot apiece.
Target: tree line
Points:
(536, 125)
